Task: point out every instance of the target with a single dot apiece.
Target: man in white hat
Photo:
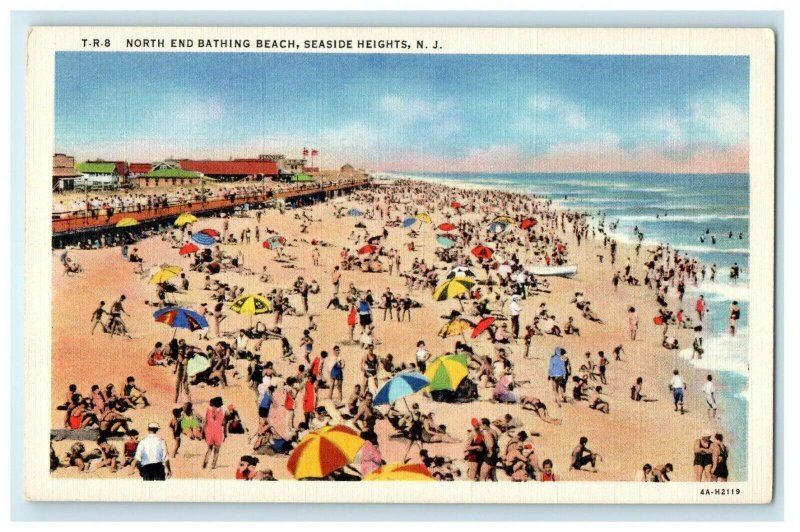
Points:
(152, 458)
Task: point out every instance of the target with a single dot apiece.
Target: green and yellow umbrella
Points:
(185, 218)
(503, 220)
(401, 471)
(455, 327)
(251, 304)
(324, 451)
(453, 288)
(127, 222)
(424, 217)
(165, 274)
(447, 372)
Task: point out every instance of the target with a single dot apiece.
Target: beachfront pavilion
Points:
(164, 175)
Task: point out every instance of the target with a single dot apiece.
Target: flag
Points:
(314, 152)
(305, 152)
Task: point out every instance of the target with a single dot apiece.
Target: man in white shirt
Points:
(710, 391)
(152, 458)
(516, 309)
(677, 386)
(422, 356)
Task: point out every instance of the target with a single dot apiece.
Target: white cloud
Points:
(727, 121)
(664, 122)
(408, 110)
(560, 110)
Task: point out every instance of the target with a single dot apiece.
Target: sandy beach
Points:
(631, 434)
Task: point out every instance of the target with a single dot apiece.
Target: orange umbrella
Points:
(324, 451)
(401, 472)
(447, 226)
(481, 326)
(188, 248)
(526, 223)
(367, 250)
(482, 252)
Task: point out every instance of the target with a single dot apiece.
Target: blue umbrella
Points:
(408, 222)
(445, 242)
(497, 227)
(354, 212)
(203, 239)
(180, 318)
(404, 384)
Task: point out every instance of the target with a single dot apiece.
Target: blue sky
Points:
(409, 112)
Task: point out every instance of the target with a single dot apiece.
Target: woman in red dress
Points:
(214, 430)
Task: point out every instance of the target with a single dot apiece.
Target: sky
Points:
(410, 112)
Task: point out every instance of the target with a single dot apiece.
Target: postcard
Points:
(463, 265)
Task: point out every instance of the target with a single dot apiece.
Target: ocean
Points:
(706, 216)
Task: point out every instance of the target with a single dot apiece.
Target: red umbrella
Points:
(455, 205)
(447, 226)
(187, 249)
(369, 248)
(481, 326)
(527, 222)
(210, 232)
(482, 252)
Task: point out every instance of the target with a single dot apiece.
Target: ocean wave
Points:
(681, 218)
(711, 249)
(722, 353)
(726, 291)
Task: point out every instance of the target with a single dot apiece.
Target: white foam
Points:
(727, 291)
(681, 218)
(722, 353)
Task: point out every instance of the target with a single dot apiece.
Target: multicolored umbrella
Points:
(355, 212)
(482, 326)
(482, 252)
(526, 223)
(180, 318)
(497, 227)
(445, 242)
(203, 239)
(188, 249)
(274, 242)
(367, 250)
(424, 217)
(408, 222)
(251, 304)
(324, 451)
(447, 226)
(503, 220)
(400, 471)
(455, 327)
(447, 372)
(127, 222)
(400, 386)
(210, 232)
(197, 364)
(461, 271)
(165, 274)
(453, 288)
(185, 218)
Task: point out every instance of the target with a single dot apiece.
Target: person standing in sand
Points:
(709, 391)
(703, 457)
(182, 374)
(677, 387)
(633, 322)
(214, 430)
(336, 278)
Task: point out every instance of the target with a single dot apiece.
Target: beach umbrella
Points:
(355, 212)
(185, 218)
(188, 248)
(482, 252)
(445, 242)
(127, 222)
(482, 326)
(526, 223)
(497, 227)
(203, 239)
(461, 271)
(180, 318)
(399, 387)
(251, 304)
(503, 220)
(455, 205)
(408, 222)
(400, 471)
(367, 250)
(455, 327)
(165, 274)
(274, 242)
(447, 226)
(324, 451)
(197, 364)
(453, 287)
(424, 217)
(447, 372)
(210, 232)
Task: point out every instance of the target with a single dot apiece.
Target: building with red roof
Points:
(233, 170)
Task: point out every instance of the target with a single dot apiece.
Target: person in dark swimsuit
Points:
(475, 451)
(719, 454)
(702, 458)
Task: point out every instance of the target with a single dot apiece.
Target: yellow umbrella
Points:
(251, 304)
(401, 472)
(185, 218)
(127, 222)
(453, 287)
(503, 220)
(324, 451)
(455, 327)
(164, 274)
(424, 217)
